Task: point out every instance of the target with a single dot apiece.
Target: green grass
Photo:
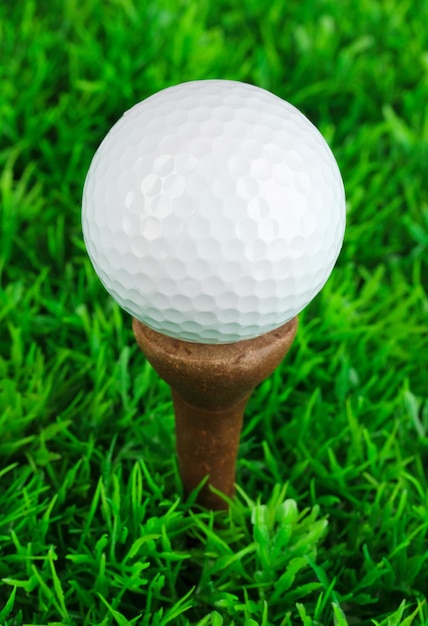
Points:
(330, 522)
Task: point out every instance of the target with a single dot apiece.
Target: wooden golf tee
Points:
(210, 387)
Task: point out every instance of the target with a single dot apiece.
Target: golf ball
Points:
(213, 211)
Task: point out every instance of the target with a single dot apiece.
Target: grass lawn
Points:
(330, 522)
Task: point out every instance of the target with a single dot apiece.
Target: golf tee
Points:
(211, 384)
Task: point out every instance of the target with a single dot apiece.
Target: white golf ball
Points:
(213, 211)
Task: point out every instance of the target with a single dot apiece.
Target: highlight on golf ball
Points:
(213, 211)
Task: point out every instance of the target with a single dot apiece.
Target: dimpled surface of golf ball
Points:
(213, 211)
